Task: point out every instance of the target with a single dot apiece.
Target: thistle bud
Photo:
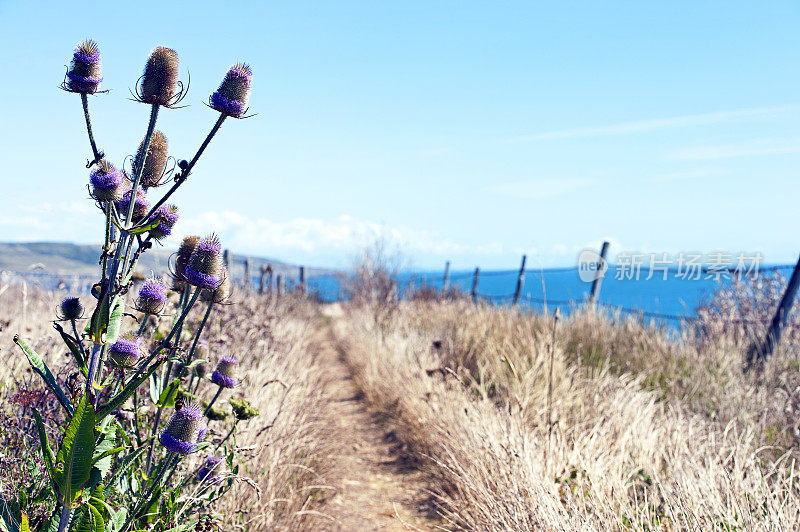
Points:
(242, 408)
(154, 163)
(71, 308)
(225, 376)
(234, 91)
(205, 265)
(85, 71)
(159, 81)
(108, 183)
(185, 251)
(152, 297)
(168, 217)
(220, 293)
(140, 205)
(211, 470)
(125, 352)
(185, 428)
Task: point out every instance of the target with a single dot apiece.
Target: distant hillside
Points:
(67, 258)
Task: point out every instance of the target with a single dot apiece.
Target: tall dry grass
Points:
(648, 431)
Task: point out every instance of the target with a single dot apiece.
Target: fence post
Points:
(247, 282)
(446, 282)
(520, 279)
(302, 279)
(760, 353)
(226, 258)
(598, 280)
(262, 279)
(279, 283)
(269, 278)
(475, 285)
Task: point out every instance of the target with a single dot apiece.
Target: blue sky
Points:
(459, 130)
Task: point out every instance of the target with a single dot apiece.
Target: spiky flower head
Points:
(85, 71)
(71, 309)
(167, 215)
(205, 266)
(211, 470)
(225, 376)
(140, 205)
(185, 428)
(221, 293)
(152, 297)
(242, 408)
(108, 183)
(160, 78)
(234, 91)
(185, 251)
(125, 352)
(201, 353)
(155, 163)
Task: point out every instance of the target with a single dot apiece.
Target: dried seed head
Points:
(140, 205)
(168, 217)
(71, 309)
(185, 428)
(242, 408)
(225, 376)
(205, 265)
(156, 161)
(201, 353)
(221, 293)
(182, 257)
(152, 297)
(125, 352)
(234, 91)
(211, 470)
(159, 81)
(85, 71)
(108, 183)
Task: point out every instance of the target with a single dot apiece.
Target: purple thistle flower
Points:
(84, 74)
(205, 267)
(168, 217)
(221, 292)
(125, 352)
(183, 430)
(140, 206)
(152, 297)
(225, 374)
(212, 465)
(107, 182)
(71, 308)
(234, 91)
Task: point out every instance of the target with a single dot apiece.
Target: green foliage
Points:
(74, 458)
(38, 365)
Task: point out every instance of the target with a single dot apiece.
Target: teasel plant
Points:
(116, 466)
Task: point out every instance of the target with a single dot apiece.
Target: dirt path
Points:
(376, 489)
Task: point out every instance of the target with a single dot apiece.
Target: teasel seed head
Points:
(205, 266)
(219, 294)
(234, 91)
(201, 353)
(156, 161)
(182, 257)
(160, 78)
(185, 428)
(125, 352)
(225, 376)
(140, 205)
(71, 309)
(211, 470)
(85, 71)
(108, 183)
(242, 408)
(152, 297)
(168, 217)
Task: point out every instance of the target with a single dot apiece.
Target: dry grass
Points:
(634, 445)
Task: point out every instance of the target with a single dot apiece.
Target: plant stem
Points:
(136, 417)
(143, 324)
(108, 238)
(156, 481)
(185, 173)
(98, 156)
(78, 339)
(233, 428)
(550, 391)
(196, 338)
(139, 164)
(66, 513)
(213, 400)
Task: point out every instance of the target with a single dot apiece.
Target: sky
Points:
(464, 131)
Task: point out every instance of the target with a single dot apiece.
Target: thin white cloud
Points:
(541, 188)
(738, 149)
(626, 128)
(694, 173)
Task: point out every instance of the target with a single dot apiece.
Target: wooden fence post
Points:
(599, 279)
(446, 282)
(269, 278)
(759, 354)
(475, 285)
(262, 279)
(226, 258)
(520, 279)
(302, 287)
(279, 287)
(247, 281)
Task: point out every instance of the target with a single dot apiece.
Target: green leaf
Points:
(104, 448)
(106, 454)
(74, 348)
(24, 526)
(38, 365)
(119, 519)
(126, 463)
(76, 451)
(167, 397)
(47, 451)
(126, 392)
(91, 520)
(114, 320)
(99, 322)
(154, 388)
